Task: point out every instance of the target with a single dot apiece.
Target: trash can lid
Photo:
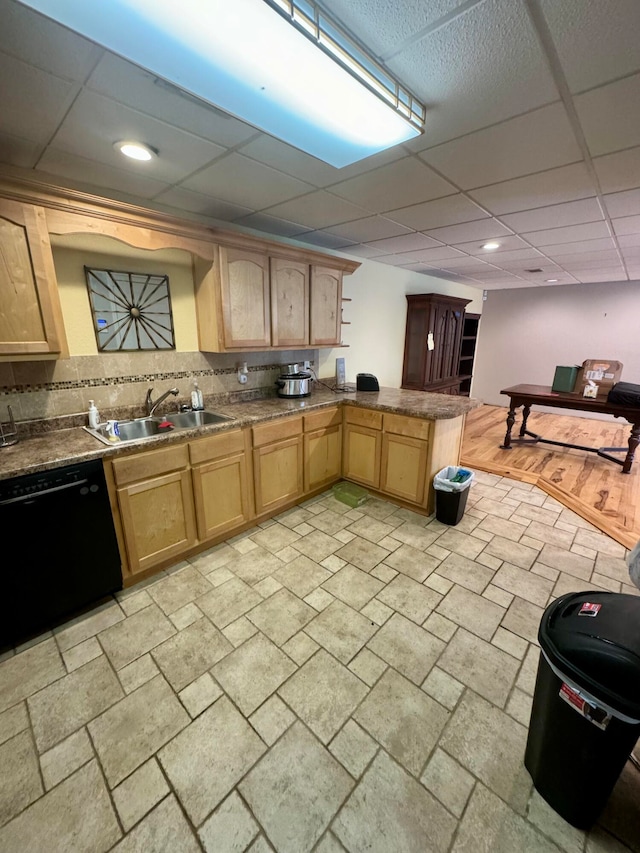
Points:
(593, 638)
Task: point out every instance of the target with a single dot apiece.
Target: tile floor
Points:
(332, 680)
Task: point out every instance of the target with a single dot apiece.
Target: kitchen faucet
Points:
(151, 406)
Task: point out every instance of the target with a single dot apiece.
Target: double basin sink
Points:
(142, 428)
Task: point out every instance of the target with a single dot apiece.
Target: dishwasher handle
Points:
(51, 491)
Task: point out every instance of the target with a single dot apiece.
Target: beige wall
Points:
(525, 333)
(378, 315)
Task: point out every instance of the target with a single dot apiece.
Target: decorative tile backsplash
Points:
(118, 382)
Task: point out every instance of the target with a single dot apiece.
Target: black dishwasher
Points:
(59, 549)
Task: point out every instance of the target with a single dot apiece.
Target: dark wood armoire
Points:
(433, 342)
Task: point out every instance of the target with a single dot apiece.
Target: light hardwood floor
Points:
(591, 486)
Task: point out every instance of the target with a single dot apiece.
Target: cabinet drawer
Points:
(413, 427)
(216, 446)
(276, 431)
(150, 464)
(363, 417)
(322, 419)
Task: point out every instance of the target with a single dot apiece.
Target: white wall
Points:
(525, 333)
(378, 315)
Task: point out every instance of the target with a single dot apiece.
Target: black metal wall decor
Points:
(131, 311)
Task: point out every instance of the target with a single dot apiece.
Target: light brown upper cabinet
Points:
(31, 324)
(289, 303)
(325, 315)
(246, 313)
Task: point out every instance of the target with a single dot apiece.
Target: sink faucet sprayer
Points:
(151, 406)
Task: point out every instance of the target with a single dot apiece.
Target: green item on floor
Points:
(350, 494)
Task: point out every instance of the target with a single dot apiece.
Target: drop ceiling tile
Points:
(561, 249)
(566, 183)
(620, 171)
(481, 229)
(629, 240)
(369, 229)
(43, 43)
(552, 236)
(179, 198)
(555, 216)
(271, 224)
(451, 210)
(509, 243)
(94, 123)
(122, 81)
(319, 209)
(631, 252)
(242, 181)
(626, 225)
(404, 243)
(514, 255)
(587, 266)
(603, 255)
(610, 117)
(539, 140)
(480, 68)
(23, 85)
(441, 253)
(606, 34)
(324, 239)
(468, 266)
(88, 175)
(273, 152)
(623, 204)
(601, 275)
(395, 185)
(363, 251)
(18, 152)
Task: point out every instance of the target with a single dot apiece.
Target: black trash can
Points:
(451, 486)
(585, 718)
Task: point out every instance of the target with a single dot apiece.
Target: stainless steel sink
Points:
(183, 420)
(141, 429)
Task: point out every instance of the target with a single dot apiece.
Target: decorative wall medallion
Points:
(131, 311)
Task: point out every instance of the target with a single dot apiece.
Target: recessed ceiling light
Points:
(491, 246)
(551, 280)
(136, 150)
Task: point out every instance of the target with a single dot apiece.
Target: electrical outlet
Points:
(341, 375)
(307, 365)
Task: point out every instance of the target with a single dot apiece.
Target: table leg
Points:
(634, 439)
(511, 419)
(525, 414)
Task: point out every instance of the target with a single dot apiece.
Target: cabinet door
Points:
(221, 495)
(443, 361)
(244, 278)
(289, 303)
(157, 519)
(361, 457)
(404, 467)
(322, 457)
(277, 471)
(415, 346)
(30, 315)
(325, 313)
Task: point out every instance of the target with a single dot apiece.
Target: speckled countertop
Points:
(68, 446)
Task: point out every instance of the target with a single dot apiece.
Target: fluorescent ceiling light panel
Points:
(247, 59)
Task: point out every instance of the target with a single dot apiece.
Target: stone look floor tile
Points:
(28, 672)
(461, 543)
(491, 745)
(550, 823)
(323, 694)
(330, 844)
(60, 709)
(272, 720)
(411, 562)
(65, 758)
(76, 815)
(443, 688)
(565, 561)
(406, 647)
(353, 586)
(139, 793)
(301, 576)
(440, 626)
(410, 598)
(513, 552)
(319, 599)
(239, 631)
(136, 674)
(465, 572)
(200, 694)
(186, 616)
(281, 616)
(448, 781)
(362, 554)
(88, 625)
(403, 719)
(371, 529)
(179, 589)
(13, 721)
(300, 648)
(524, 584)
(20, 782)
(472, 611)
(297, 776)
(368, 667)
(438, 583)
(230, 829)
(481, 666)
(353, 748)
(377, 612)
(317, 546)
(228, 602)
(81, 654)
(523, 618)
(341, 630)
(330, 522)
(275, 537)
(206, 760)
(389, 810)
(190, 653)
(130, 732)
(165, 828)
(254, 671)
(417, 535)
(256, 565)
(137, 635)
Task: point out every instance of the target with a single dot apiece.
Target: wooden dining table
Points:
(542, 395)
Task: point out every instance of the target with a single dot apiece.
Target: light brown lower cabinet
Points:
(277, 463)
(155, 500)
(322, 448)
(221, 488)
(362, 445)
(405, 451)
